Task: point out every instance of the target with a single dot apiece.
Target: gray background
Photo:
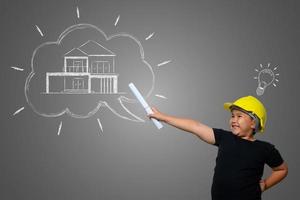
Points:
(214, 47)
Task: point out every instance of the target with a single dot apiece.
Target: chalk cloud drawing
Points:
(266, 76)
(76, 74)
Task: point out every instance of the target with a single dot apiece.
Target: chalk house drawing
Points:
(87, 70)
(90, 68)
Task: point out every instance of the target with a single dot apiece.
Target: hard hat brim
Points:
(228, 105)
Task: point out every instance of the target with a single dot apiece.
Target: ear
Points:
(253, 124)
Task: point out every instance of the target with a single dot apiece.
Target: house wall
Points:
(56, 84)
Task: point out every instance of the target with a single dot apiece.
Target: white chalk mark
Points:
(117, 20)
(163, 63)
(77, 11)
(17, 68)
(59, 128)
(150, 36)
(18, 111)
(265, 77)
(125, 99)
(80, 85)
(121, 99)
(100, 125)
(39, 30)
(161, 96)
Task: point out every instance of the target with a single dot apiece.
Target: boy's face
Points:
(241, 124)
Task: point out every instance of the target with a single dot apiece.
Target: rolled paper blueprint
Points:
(145, 105)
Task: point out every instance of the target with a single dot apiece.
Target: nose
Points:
(233, 119)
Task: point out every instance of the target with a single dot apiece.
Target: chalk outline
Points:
(261, 89)
(108, 87)
(121, 99)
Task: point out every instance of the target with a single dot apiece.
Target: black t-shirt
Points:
(239, 166)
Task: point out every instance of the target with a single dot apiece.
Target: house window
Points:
(100, 67)
(76, 65)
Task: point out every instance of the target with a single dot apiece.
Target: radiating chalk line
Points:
(100, 125)
(59, 128)
(17, 68)
(161, 96)
(150, 36)
(77, 11)
(163, 63)
(117, 20)
(18, 111)
(39, 30)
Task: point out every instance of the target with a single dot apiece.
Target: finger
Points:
(154, 109)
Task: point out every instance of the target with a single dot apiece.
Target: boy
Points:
(241, 158)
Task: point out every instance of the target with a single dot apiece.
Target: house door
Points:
(78, 83)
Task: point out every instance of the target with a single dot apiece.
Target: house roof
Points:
(75, 52)
(93, 48)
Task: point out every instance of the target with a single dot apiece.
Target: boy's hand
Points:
(278, 173)
(156, 114)
(262, 185)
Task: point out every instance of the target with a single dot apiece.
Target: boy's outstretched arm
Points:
(204, 132)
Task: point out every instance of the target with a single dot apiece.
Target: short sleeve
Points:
(274, 158)
(219, 136)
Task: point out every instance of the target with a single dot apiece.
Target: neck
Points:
(249, 137)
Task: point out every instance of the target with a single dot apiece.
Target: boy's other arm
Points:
(203, 131)
(278, 173)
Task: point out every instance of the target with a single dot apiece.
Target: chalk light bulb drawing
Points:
(266, 77)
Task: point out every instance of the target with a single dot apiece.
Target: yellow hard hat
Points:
(251, 105)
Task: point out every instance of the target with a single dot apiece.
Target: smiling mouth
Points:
(235, 126)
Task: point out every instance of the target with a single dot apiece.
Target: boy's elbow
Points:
(284, 169)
